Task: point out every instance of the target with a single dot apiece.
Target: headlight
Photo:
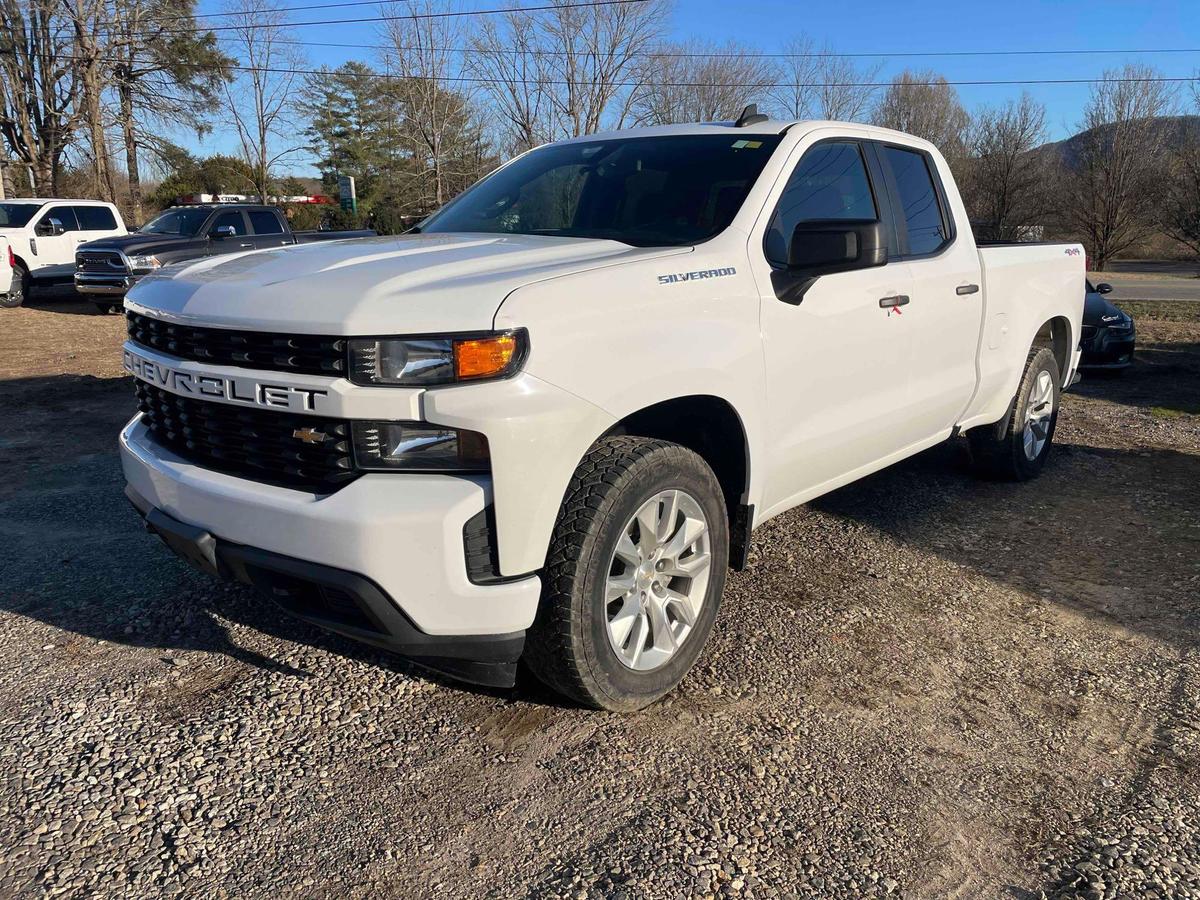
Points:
(144, 263)
(418, 447)
(419, 362)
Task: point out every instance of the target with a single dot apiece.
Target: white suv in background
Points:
(43, 234)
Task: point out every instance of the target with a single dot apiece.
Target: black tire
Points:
(567, 647)
(998, 450)
(22, 283)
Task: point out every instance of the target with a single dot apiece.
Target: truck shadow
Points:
(1164, 376)
(1102, 531)
(1091, 534)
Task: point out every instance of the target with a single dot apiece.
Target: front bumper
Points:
(392, 542)
(106, 285)
(1109, 350)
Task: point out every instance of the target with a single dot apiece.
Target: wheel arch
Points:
(709, 426)
(1055, 335)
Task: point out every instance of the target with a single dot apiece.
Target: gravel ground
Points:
(925, 686)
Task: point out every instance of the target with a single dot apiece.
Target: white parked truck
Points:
(43, 235)
(544, 427)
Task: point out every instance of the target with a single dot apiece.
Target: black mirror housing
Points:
(836, 245)
(221, 232)
(50, 228)
(1104, 288)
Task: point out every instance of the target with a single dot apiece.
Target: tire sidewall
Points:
(1042, 361)
(678, 470)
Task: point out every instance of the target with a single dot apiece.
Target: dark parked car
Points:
(1108, 331)
(107, 268)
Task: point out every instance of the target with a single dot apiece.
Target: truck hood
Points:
(411, 284)
(142, 243)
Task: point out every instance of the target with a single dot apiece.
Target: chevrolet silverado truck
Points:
(106, 269)
(43, 235)
(543, 427)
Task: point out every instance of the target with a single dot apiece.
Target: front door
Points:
(55, 249)
(836, 361)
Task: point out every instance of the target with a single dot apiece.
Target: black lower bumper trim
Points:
(340, 601)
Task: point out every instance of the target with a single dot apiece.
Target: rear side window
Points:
(830, 182)
(95, 218)
(918, 200)
(264, 221)
(230, 218)
(64, 214)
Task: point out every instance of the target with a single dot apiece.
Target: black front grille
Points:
(101, 262)
(255, 443)
(305, 353)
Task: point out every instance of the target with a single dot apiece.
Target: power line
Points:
(248, 26)
(454, 79)
(815, 54)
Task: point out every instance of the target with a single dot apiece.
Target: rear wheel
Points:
(1016, 449)
(634, 575)
(19, 292)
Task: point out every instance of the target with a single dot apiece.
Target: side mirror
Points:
(836, 245)
(222, 231)
(51, 227)
(1104, 288)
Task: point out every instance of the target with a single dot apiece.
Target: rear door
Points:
(836, 361)
(96, 222)
(267, 228)
(240, 240)
(946, 308)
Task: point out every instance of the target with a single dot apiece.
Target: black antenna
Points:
(750, 116)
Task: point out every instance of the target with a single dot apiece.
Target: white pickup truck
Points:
(544, 427)
(43, 235)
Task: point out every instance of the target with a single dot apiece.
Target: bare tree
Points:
(261, 99)
(1008, 187)
(1180, 215)
(164, 75)
(39, 88)
(1114, 185)
(924, 104)
(822, 85)
(507, 58)
(432, 90)
(700, 82)
(88, 53)
(576, 67)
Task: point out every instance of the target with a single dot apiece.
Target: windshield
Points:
(17, 215)
(176, 221)
(652, 191)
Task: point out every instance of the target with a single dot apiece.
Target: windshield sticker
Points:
(746, 145)
(696, 276)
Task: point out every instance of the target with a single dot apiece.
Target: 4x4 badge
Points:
(309, 435)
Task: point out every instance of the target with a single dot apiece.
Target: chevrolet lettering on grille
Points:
(246, 391)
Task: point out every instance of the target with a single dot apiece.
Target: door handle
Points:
(889, 302)
(245, 245)
(963, 289)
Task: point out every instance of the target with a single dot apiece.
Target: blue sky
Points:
(868, 26)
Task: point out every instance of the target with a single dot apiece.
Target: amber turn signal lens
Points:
(484, 357)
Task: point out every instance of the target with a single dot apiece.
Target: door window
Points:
(918, 200)
(830, 182)
(265, 221)
(64, 214)
(227, 219)
(95, 218)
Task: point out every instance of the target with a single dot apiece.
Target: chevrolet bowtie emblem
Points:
(309, 435)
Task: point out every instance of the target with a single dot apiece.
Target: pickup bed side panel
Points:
(622, 340)
(1026, 286)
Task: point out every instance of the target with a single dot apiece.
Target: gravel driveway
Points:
(925, 686)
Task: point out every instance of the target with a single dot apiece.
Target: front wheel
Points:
(19, 292)
(634, 575)
(1016, 448)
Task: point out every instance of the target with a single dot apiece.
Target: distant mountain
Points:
(1177, 132)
